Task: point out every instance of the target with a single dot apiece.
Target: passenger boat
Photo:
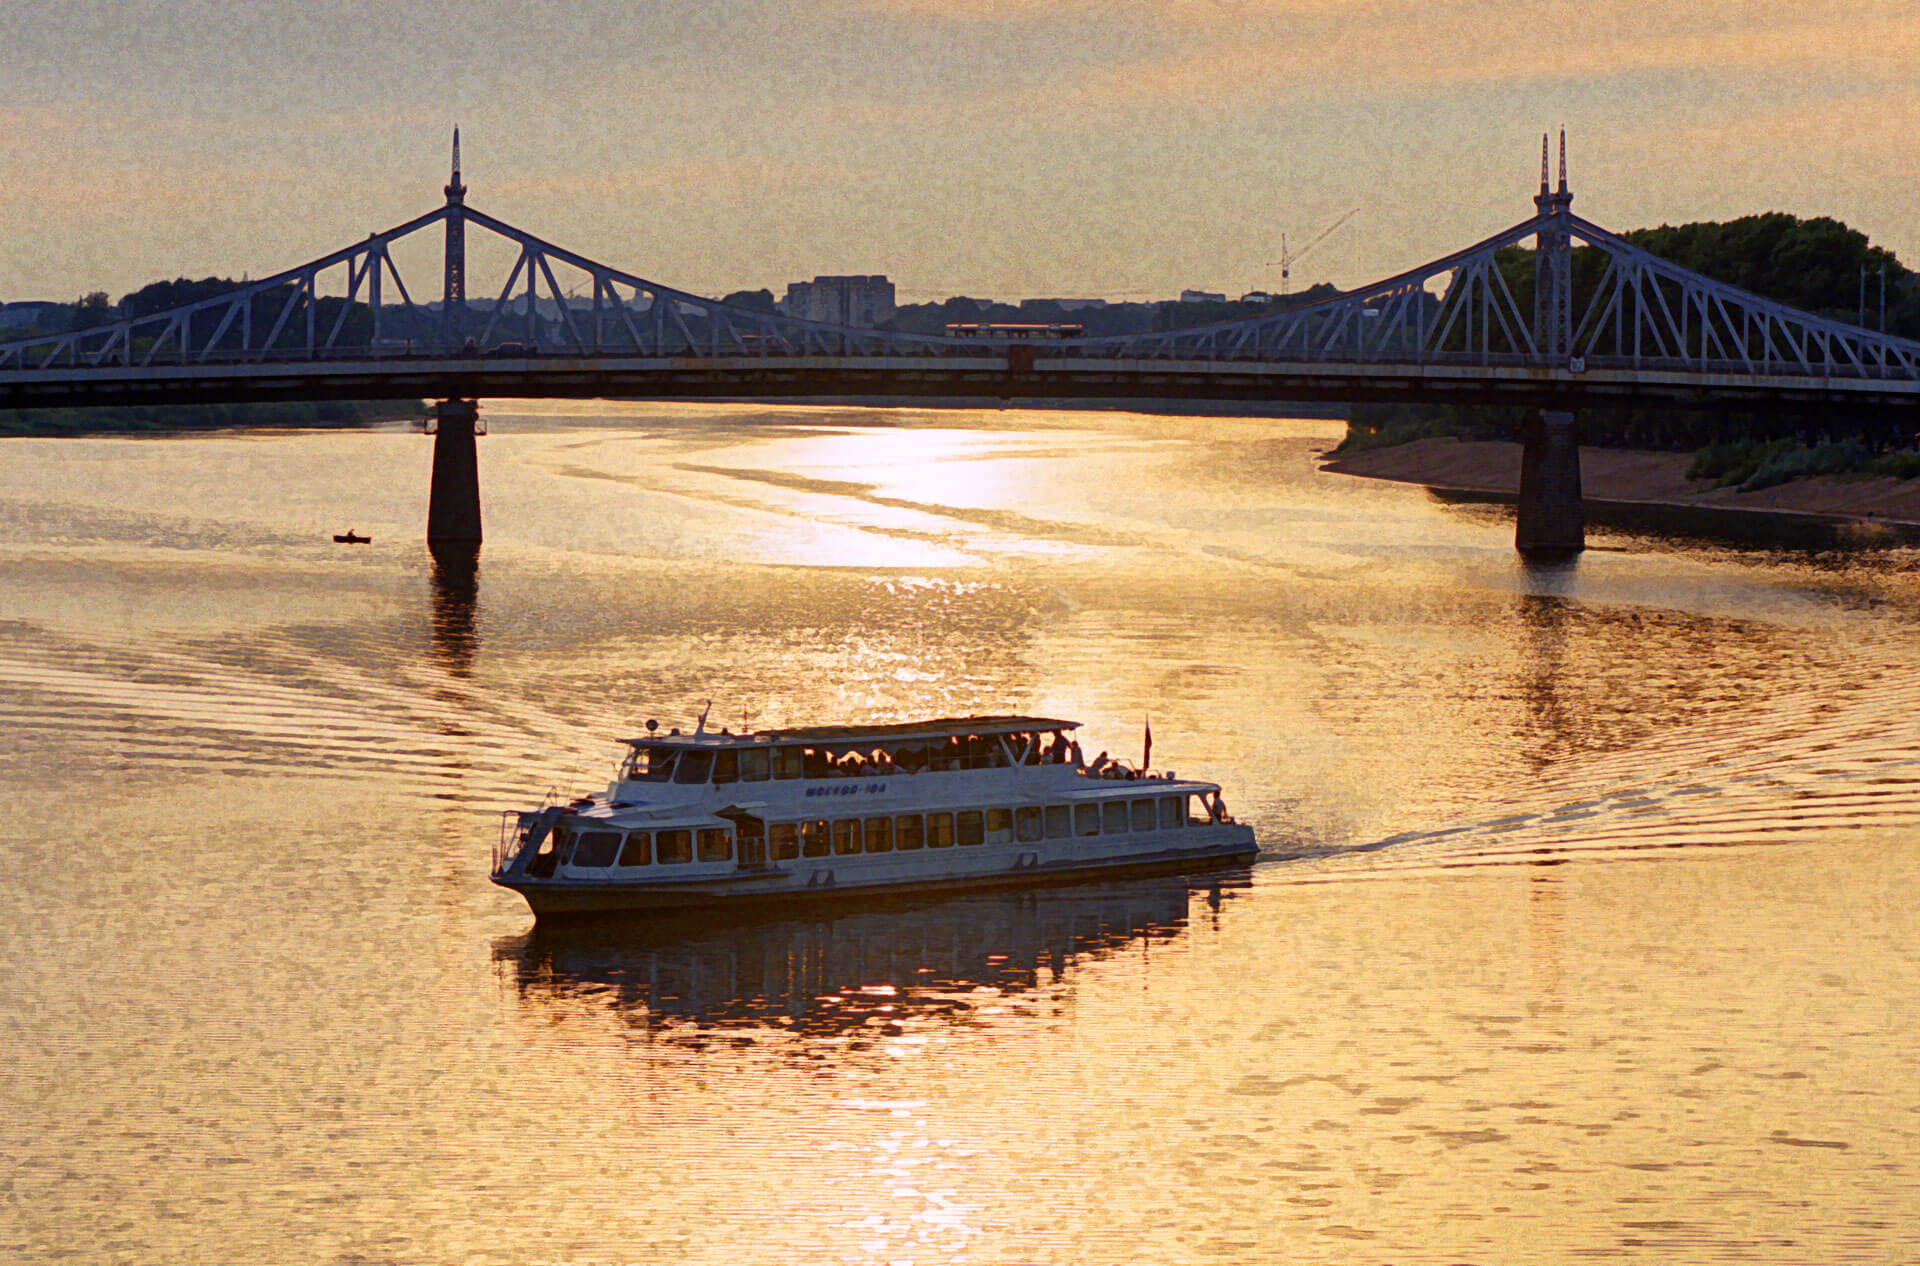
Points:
(715, 818)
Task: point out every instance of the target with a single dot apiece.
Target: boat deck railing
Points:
(516, 831)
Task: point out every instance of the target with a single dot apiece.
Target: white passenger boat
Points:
(713, 818)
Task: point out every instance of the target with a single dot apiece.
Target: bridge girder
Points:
(1453, 329)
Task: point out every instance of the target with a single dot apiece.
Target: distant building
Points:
(1201, 296)
(854, 300)
(1259, 296)
(18, 316)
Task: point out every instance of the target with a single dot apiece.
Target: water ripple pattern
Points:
(1584, 930)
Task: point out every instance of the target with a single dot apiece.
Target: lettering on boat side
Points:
(858, 789)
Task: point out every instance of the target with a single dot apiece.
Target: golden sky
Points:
(998, 148)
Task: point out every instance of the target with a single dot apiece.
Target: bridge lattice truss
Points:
(1642, 313)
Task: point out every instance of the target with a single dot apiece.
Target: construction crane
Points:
(1289, 258)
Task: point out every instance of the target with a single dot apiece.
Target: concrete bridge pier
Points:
(453, 504)
(1550, 519)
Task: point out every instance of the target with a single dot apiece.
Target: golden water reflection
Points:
(1598, 944)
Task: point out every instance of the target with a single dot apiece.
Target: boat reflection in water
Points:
(835, 967)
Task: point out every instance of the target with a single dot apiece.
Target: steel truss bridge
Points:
(347, 326)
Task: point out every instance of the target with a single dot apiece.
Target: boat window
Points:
(879, 835)
(1170, 815)
(1026, 825)
(1143, 815)
(716, 844)
(787, 762)
(561, 843)
(694, 767)
(999, 826)
(814, 840)
(638, 850)
(968, 828)
(908, 832)
(652, 764)
(726, 766)
(1086, 819)
(1059, 821)
(814, 762)
(596, 848)
(909, 758)
(755, 764)
(939, 830)
(1113, 817)
(1197, 813)
(673, 847)
(786, 841)
(846, 836)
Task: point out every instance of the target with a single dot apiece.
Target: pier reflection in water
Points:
(837, 967)
(456, 592)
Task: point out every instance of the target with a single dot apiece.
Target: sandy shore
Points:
(1492, 467)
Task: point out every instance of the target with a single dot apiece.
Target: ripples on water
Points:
(265, 1006)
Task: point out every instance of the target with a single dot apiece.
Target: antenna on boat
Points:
(701, 728)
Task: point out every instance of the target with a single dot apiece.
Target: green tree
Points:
(91, 309)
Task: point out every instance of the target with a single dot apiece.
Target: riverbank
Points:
(1640, 484)
(165, 419)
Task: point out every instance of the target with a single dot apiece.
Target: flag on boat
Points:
(1146, 756)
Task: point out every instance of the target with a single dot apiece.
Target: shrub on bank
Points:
(1754, 464)
(1734, 462)
(1902, 464)
(1800, 462)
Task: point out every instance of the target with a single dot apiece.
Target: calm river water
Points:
(1586, 928)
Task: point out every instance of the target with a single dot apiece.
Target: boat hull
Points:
(1225, 845)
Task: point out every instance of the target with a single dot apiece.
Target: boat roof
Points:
(943, 727)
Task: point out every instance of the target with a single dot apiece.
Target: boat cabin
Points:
(586, 849)
(849, 752)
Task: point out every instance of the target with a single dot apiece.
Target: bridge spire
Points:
(1550, 519)
(453, 297)
(453, 498)
(1553, 264)
(456, 191)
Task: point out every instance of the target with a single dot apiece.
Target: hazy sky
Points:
(992, 147)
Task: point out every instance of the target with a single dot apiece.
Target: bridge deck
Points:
(976, 376)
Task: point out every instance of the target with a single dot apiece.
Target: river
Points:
(1585, 927)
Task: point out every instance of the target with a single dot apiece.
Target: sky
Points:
(1123, 149)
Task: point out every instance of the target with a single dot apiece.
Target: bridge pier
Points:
(1550, 518)
(453, 503)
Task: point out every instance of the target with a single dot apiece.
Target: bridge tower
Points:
(1550, 519)
(453, 501)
